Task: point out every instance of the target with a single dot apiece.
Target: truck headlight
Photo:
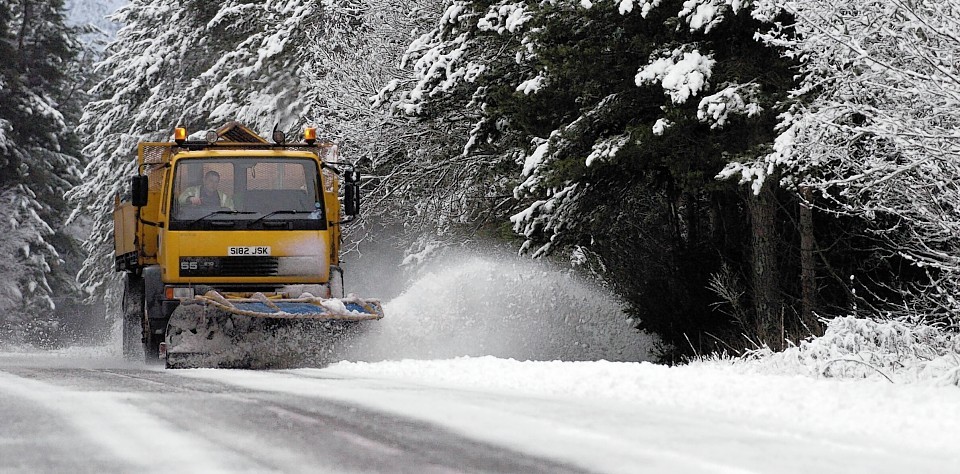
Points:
(182, 293)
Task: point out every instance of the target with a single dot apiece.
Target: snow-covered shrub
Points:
(898, 351)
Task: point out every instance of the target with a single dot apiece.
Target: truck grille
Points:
(228, 266)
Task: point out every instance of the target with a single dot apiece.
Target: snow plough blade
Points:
(350, 308)
(257, 331)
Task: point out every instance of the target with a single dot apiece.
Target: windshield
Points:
(218, 192)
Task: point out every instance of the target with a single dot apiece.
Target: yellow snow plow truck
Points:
(230, 251)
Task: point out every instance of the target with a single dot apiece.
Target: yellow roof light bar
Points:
(310, 135)
(180, 135)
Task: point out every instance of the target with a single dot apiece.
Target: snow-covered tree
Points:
(423, 185)
(36, 162)
(881, 136)
(609, 120)
(92, 17)
(345, 79)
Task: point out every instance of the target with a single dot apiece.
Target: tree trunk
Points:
(25, 26)
(808, 274)
(691, 214)
(766, 274)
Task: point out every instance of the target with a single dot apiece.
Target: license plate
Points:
(247, 251)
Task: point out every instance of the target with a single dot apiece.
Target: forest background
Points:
(738, 172)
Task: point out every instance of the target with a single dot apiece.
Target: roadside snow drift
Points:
(621, 417)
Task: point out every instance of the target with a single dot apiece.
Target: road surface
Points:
(59, 417)
(76, 412)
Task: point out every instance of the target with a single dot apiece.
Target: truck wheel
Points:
(132, 314)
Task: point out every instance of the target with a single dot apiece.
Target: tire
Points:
(132, 317)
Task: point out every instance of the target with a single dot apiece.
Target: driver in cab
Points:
(206, 195)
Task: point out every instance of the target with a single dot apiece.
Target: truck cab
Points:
(234, 214)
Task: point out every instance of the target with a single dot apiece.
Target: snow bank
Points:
(861, 348)
(622, 417)
(920, 416)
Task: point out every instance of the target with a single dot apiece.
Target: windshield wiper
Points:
(221, 211)
(275, 213)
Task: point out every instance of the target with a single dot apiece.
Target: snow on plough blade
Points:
(350, 308)
(257, 331)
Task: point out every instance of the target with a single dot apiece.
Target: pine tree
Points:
(443, 187)
(399, 154)
(611, 120)
(37, 163)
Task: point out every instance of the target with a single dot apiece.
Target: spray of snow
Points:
(465, 305)
(508, 307)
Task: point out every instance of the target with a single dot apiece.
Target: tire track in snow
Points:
(508, 421)
(133, 436)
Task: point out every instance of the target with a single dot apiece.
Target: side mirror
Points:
(351, 193)
(139, 189)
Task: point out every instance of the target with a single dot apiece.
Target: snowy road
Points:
(61, 413)
(419, 406)
(55, 417)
